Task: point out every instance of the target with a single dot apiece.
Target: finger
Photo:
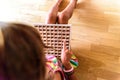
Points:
(64, 45)
(67, 51)
(71, 52)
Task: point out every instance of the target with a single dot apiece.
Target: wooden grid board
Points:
(53, 35)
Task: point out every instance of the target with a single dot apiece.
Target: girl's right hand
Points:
(66, 56)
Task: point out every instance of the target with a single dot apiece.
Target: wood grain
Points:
(95, 32)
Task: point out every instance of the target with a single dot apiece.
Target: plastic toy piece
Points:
(53, 35)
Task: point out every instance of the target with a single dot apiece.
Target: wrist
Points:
(69, 72)
(67, 66)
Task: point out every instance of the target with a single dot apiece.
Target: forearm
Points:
(57, 76)
(72, 77)
(69, 71)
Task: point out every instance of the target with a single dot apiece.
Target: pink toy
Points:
(53, 35)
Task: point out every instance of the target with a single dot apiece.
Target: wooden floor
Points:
(95, 32)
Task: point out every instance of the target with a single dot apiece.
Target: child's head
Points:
(21, 53)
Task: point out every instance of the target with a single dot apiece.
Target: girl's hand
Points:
(66, 56)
